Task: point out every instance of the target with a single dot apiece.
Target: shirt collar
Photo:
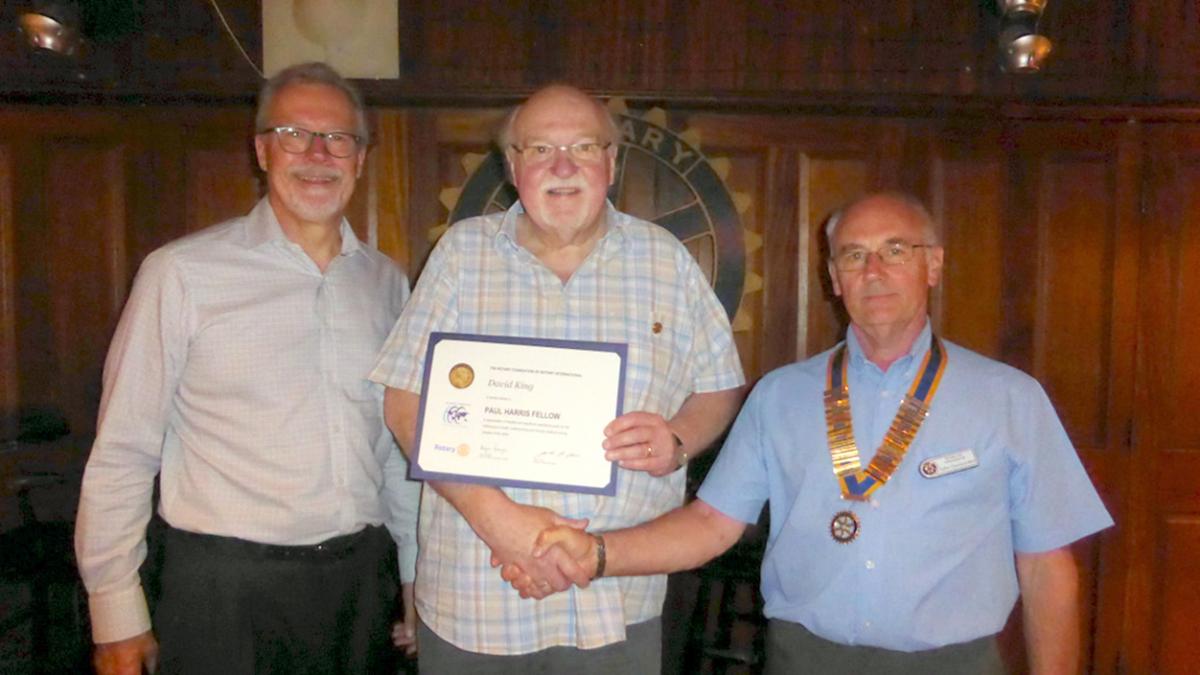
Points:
(262, 227)
(610, 243)
(905, 364)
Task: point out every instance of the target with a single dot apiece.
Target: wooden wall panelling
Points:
(8, 302)
(156, 188)
(1175, 649)
(424, 210)
(85, 193)
(964, 177)
(221, 180)
(453, 141)
(1076, 216)
(873, 52)
(625, 39)
(1171, 31)
(1110, 467)
(826, 182)
(1082, 349)
(1164, 503)
(390, 181)
(461, 43)
(782, 236)
(808, 167)
(37, 359)
(220, 185)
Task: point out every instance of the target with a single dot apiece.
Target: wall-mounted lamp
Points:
(1022, 48)
(53, 26)
(1012, 8)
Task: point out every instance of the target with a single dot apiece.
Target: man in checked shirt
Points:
(561, 263)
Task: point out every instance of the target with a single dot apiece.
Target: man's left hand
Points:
(641, 441)
(404, 632)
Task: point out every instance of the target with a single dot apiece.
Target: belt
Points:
(330, 549)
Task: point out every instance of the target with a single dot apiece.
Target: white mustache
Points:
(573, 185)
(317, 172)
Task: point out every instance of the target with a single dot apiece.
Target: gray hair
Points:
(314, 72)
(929, 230)
(505, 138)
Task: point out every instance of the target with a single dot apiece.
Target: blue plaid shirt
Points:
(480, 280)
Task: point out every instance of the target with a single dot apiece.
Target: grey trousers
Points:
(793, 650)
(639, 654)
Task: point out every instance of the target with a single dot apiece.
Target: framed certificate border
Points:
(416, 470)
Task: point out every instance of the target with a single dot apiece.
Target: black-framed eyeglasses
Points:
(298, 140)
(892, 253)
(584, 152)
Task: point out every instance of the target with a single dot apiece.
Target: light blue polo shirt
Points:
(933, 560)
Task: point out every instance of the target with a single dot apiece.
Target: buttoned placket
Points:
(880, 397)
(327, 311)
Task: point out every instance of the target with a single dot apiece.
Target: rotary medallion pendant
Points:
(844, 527)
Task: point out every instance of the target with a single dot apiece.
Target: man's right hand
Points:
(512, 543)
(577, 543)
(126, 657)
(573, 542)
(510, 529)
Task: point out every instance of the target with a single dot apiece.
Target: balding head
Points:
(894, 198)
(556, 97)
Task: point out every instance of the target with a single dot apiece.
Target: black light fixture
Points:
(1023, 49)
(52, 25)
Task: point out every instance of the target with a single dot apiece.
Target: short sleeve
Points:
(715, 361)
(737, 484)
(1052, 500)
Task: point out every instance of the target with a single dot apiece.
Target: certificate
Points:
(519, 412)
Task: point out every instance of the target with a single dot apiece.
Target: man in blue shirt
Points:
(901, 559)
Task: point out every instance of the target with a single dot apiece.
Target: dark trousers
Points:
(231, 606)
(639, 654)
(792, 650)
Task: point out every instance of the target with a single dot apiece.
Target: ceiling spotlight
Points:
(53, 26)
(1023, 49)
(1015, 7)
(1026, 53)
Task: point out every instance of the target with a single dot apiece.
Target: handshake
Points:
(567, 555)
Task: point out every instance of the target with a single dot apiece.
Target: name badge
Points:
(936, 467)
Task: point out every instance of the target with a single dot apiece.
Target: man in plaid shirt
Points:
(562, 263)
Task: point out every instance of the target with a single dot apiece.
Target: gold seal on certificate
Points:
(844, 527)
(461, 376)
(519, 412)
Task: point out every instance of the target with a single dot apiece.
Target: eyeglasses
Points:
(891, 254)
(297, 140)
(584, 152)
